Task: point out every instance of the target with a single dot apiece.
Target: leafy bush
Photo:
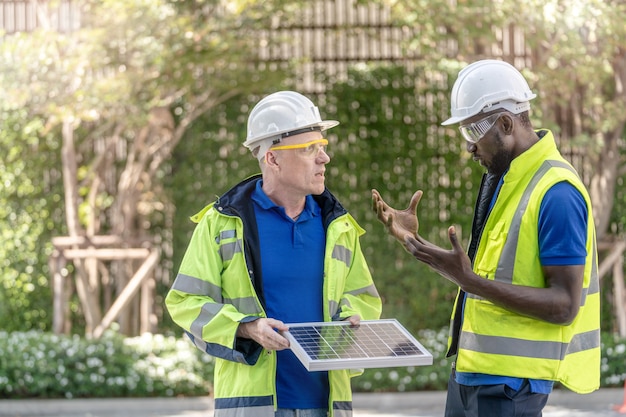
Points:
(411, 378)
(42, 365)
(613, 368)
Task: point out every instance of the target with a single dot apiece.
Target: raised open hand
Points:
(399, 223)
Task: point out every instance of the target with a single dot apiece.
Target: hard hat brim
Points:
(323, 125)
(453, 120)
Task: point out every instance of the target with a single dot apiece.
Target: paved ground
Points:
(562, 403)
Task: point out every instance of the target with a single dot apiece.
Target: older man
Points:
(276, 249)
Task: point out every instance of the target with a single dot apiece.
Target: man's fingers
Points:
(415, 199)
(454, 240)
(389, 221)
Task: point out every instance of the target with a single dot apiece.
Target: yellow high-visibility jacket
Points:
(218, 287)
(496, 341)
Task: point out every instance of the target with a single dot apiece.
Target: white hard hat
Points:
(488, 85)
(282, 114)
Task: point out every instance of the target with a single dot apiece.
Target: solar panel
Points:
(371, 344)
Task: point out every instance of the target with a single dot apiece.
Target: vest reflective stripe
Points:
(228, 250)
(504, 273)
(342, 409)
(529, 348)
(228, 408)
(207, 312)
(266, 411)
(198, 342)
(334, 308)
(245, 305)
(214, 349)
(226, 234)
(193, 285)
(243, 402)
(594, 284)
(343, 254)
(370, 289)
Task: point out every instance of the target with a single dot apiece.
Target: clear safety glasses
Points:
(308, 149)
(474, 132)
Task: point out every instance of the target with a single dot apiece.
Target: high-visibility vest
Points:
(497, 341)
(214, 291)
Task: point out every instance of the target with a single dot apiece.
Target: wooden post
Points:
(146, 310)
(619, 295)
(58, 310)
(129, 291)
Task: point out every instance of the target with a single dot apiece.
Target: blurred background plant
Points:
(123, 118)
(42, 365)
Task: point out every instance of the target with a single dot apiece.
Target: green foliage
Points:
(42, 365)
(613, 369)
(411, 378)
(389, 140)
(103, 78)
(29, 197)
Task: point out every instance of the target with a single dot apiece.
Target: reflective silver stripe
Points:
(333, 310)
(228, 250)
(342, 408)
(245, 305)
(584, 341)
(343, 254)
(262, 406)
(265, 411)
(504, 271)
(370, 289)
(226, 234)
(193, 285)
(498, 345)
(199, 343)
(594, 282)
(207, 312)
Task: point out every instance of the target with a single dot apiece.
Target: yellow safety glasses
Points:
(309, 149)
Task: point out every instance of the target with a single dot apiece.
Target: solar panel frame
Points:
(324, 346)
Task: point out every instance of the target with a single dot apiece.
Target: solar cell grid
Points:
(338, 345)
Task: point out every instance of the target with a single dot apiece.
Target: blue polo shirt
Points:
(292, 258)
(562, 232)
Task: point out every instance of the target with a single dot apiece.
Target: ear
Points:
(508, 124)
(270, 159)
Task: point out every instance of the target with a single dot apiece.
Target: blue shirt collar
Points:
(311, 208)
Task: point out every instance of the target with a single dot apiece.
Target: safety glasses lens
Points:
(474, 132)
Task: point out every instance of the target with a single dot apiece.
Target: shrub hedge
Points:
(42, 365)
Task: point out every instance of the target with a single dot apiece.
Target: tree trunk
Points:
(86, 292)
(603, 180)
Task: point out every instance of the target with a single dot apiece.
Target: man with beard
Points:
(527, 310)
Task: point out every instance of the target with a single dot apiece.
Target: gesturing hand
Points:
(453, 264)
(399, 223)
